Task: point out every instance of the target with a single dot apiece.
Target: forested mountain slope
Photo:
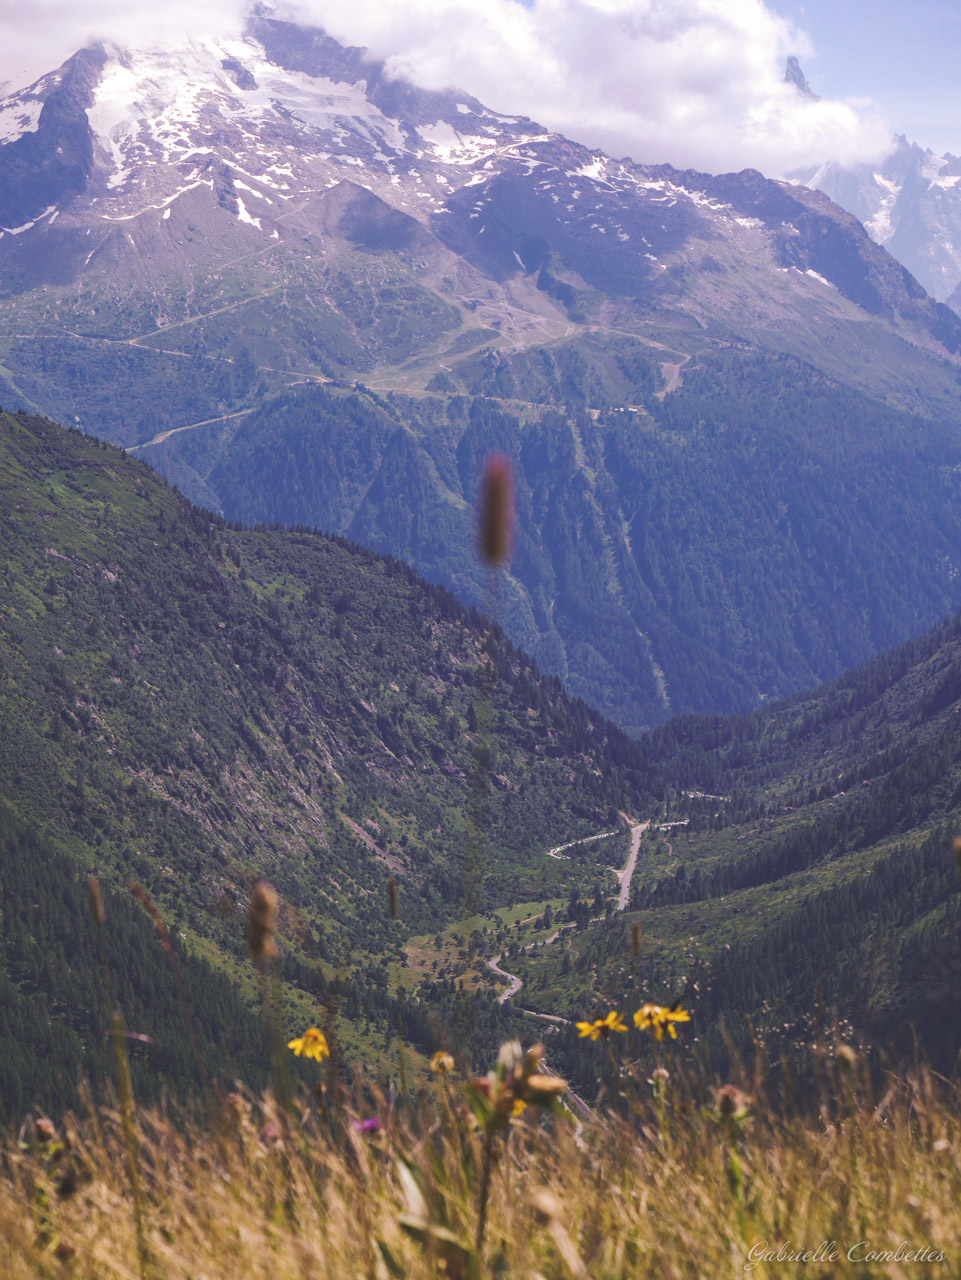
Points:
(193, 706)
(809, 872)
(756, 531)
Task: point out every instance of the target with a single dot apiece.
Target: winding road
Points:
(627, 874)
(624, 878)
(515, 982)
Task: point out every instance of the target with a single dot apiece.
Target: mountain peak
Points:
(794, 75)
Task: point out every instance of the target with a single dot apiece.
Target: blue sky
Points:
(905, 54)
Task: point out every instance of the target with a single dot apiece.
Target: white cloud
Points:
(36, 36)
(698, 83)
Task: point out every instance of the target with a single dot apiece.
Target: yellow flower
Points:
(441, 1062)
(655, 1018)
(602, 1026)
(312, 1044)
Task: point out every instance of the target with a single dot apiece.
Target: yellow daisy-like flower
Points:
(655, 1018)
(442, 1063)
(312, 1044)
(520, 1106)
(602, 1026)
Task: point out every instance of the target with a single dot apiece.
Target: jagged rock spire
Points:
(794, 75)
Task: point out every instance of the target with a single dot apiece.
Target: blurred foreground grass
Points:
(680, 1179)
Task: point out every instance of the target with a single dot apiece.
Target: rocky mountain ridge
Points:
(909, 203)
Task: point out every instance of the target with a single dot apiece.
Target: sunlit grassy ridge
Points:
(681, 1180)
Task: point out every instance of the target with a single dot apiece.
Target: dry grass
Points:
(683, 1188)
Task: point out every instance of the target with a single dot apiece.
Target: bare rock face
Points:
(794, 75)
(910, 203)
(43, 167)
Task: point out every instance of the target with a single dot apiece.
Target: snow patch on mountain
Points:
(19, 116)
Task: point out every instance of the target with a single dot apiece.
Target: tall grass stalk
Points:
(118, 1031)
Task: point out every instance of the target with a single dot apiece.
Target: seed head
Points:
(262, 923)
(44, 1131)
(236, 1110)
(441, 1063)
(846, 1057)
(496, 511)
(96, 902)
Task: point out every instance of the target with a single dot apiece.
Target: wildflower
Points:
(602, 1027)
(515, 1083)
(516, 1079)
(655, 1018)
(441, 1063)
(312, 1044)
(370, 1125)
(540, 1089)
(731, 1102)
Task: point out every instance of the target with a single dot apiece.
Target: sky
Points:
(697, 83)
(904, 54)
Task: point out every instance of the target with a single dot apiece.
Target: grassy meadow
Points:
(674, 1178)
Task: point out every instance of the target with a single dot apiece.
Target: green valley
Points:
(192, 706)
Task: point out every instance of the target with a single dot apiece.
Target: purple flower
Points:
(371, 1125)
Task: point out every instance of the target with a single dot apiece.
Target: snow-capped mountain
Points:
(130, 180)
(911, 204)
(150, 127)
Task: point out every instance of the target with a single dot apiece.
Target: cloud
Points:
(698, 83)
(37, 36)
